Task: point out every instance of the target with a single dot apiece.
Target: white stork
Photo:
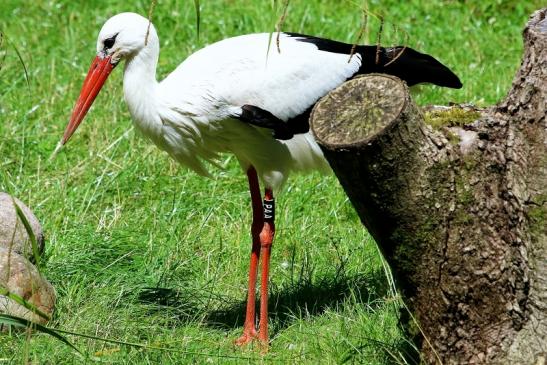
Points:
(234, 96)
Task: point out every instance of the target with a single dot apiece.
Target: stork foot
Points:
(264, 345)
(249, 335)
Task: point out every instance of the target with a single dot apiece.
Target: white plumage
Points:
(190, 113)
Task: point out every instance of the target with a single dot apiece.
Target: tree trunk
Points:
(457, 201)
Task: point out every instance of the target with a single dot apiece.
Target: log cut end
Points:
(361, 99)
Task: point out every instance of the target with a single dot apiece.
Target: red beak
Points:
(94, 81)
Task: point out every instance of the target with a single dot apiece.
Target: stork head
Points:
(122, 37)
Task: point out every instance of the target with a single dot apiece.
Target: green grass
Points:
(143, 251)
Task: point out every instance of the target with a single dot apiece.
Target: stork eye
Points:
(109, 42)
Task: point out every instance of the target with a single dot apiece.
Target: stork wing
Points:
(242, 71)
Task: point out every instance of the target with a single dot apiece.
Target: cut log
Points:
(457, 202)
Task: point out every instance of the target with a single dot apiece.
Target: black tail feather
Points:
(405, 63)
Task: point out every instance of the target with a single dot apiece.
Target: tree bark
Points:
(457, 201)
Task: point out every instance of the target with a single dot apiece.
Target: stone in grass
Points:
(20, 277)
(12, 231)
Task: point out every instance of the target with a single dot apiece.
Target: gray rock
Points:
(12, 231)
(20, 277)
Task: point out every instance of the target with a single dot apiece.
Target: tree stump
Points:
(457, 201)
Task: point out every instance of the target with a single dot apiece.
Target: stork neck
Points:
(140, 86)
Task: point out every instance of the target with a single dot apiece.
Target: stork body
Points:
(239, 97)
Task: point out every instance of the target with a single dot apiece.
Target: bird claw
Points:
(250, 336)
(247, 337)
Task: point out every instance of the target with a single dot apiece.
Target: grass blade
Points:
(150, 11)
(21, 322)
(149, 347)
(16, 298)
(198, 16)
(280, 23)
(28, 228)
(27, 78)
(1, 43)
(56, 333)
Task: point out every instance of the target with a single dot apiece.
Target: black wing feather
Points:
(406, 63)
(281, 130)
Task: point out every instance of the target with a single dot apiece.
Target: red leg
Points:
(249, 331)
(266, 239)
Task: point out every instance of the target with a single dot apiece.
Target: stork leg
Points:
(249, 331)
(266, 240)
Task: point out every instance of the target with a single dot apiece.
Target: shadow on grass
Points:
(306, 298)
(303, 298)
